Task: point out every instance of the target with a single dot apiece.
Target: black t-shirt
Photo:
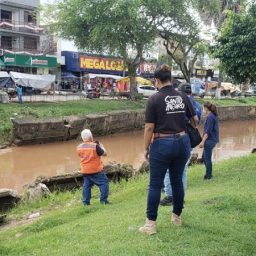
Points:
(168, 110)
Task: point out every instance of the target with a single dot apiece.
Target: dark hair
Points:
(163, 73)
(185, 87)
(211, 107)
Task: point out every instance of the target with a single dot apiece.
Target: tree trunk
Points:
(185, 72)
(132, 79)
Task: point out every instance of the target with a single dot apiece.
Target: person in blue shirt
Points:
(19, 92)
(167, 200)
(210, 137)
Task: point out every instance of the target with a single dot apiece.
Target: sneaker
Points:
(149, 228)
(206, 177)
(176, 220)
(166, 201)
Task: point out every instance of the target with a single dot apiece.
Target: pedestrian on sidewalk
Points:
(170, 149)
(19, 93)
(91, 167)
(210, 137)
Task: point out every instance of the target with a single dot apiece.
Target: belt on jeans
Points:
(168, 135)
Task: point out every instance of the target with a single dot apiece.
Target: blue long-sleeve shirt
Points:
(19, 90)
(211, 127)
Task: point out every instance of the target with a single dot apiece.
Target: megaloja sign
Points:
(87, 62)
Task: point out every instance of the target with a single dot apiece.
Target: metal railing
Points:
(20, 50)
(20, 27)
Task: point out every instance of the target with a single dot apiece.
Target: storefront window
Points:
(6, 42)
(29, 18)
(30, 43)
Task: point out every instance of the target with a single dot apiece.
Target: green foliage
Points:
(218, 219)
(120, 27)
(250, 101)
(216, 9)
(116, 27)
(236, 47)
(181, 38)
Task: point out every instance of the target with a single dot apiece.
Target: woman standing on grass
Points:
(210, 137)
(167, 146)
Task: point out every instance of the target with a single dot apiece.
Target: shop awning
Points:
(230, 87)
(90, 75)
(41, 82)
(5, 80)
(139, 80)
(4, 74)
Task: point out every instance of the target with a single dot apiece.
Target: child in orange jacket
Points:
(91, 167)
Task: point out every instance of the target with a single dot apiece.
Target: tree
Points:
(236, 47)
(181, 39)
(216, 10)
(118, 27)
(115, 27)
(47, 43)
(184, 50)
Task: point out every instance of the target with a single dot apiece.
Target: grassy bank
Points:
(219, 219)
(249, 101)
(47, 110)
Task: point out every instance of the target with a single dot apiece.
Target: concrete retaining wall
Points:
(40, 131)
(28, 131)
(237, 112)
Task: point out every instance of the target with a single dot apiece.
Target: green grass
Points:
(249, 101)
(47, 110)
(219, 219)
(83, 107)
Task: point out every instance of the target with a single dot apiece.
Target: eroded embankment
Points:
(34, 131)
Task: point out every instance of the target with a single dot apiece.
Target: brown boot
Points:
(176, 220)
(149, 228)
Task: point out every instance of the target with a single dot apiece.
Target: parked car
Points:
(250, 93)
(146, 90)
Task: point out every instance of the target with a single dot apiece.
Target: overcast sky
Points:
(64, 44)
(45, 1)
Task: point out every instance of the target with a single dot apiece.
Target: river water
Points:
(21, 165)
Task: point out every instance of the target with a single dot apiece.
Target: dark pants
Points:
(207, 156)
(99, 179)
(167, 153)
(20, 99)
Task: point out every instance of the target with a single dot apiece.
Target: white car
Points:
(146, 90)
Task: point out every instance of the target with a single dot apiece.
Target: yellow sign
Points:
(101, 63)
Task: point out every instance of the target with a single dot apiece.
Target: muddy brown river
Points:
(21, 165)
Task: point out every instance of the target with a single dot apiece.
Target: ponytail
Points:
(211, 107)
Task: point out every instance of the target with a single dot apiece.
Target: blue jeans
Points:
(167, 180)
(99, 179)
(207, 156)
(167, 153)
(20, 98)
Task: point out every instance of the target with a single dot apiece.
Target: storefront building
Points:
(30, 64)
(79, 67)
(79, 64)
(21, 39)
